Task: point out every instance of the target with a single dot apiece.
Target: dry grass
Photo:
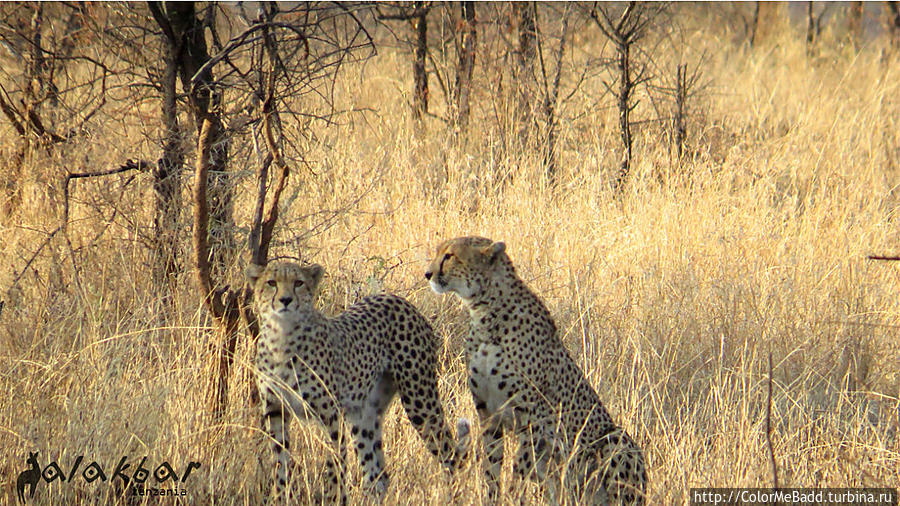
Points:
(672, 297)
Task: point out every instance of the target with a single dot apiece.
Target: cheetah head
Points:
(284, 287)
(464, 266)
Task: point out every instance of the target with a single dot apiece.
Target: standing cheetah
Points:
(524, 380)
(344, 368)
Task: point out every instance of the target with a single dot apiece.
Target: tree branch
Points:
(11, 116)
(139, 165)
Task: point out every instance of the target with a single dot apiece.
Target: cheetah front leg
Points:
(276, 420)
(492, 440)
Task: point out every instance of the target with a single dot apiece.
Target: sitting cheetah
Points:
(347, 367)
(524, 380)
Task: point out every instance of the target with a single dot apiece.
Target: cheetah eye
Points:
(272, 282)
(447, 256)
(298, 283)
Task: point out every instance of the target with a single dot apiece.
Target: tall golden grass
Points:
(672, 297)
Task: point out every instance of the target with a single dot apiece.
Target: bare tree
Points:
(814, 24)
(624, 33)
(754, 26)
(466, 44)
(420, 76)
(198, 82)
(318, 39)
(811, 31)
(526, 16)
(42, 48)
(418, 20)
(550, 84)
(763, 20)
(166, 176)
(679, 93)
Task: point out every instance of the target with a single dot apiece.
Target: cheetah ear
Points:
(315, 272)
(493, 251)
(254, 271)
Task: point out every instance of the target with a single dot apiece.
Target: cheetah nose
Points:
(285, 300)
(428, 274)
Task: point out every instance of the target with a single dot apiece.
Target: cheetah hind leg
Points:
(533, 461)
(533, 457)
(367, 432)
(334, 490)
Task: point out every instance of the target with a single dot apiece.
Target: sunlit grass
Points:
(671, 297)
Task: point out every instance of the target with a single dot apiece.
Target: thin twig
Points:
(37, 252)
(769, 429)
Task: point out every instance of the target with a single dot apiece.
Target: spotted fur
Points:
(524, 381)
(344, 369)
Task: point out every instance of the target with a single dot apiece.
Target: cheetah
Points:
(524, 381)
(346, 368)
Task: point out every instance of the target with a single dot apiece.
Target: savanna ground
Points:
(672, 296)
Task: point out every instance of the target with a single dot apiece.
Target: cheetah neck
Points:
(301, 322)
(505, 293)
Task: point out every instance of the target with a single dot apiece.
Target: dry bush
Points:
(672, 296)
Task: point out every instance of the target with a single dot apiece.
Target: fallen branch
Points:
(879, 257)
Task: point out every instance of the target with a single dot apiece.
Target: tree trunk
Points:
(755, 24)
(551, 95)
(420, 94)
(855, 23)
(525, 66)
(680, 100)
(212, 198)
(189, 29)
(623, 63)
(34, 90)
(467, 41)
(810, 28)
(166, 176)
